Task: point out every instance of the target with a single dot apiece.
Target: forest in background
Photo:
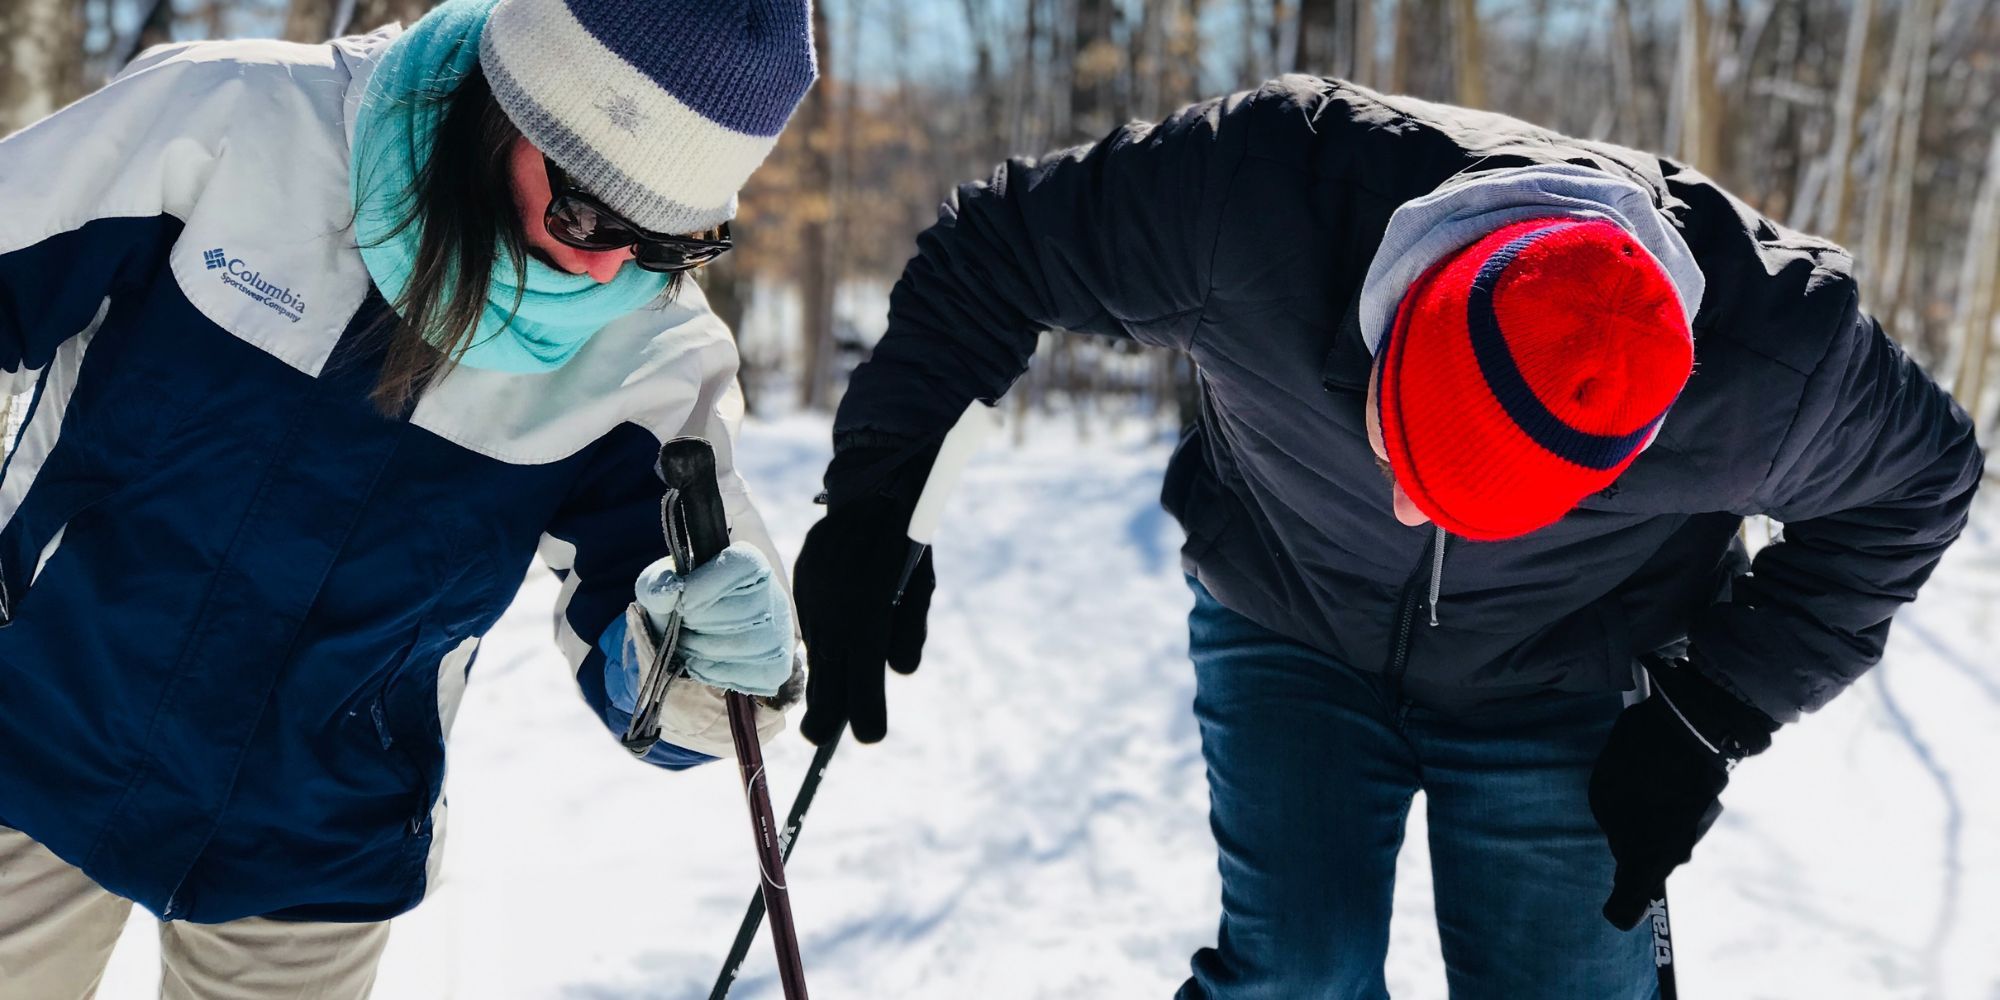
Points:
(1872, 122)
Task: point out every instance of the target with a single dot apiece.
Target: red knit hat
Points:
(1525, 372)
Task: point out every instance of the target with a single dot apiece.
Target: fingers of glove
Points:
(760, 615)
(867, 707)
(758, 676)
(909, 624)
(1628, 904)
(660, 589)
(737, 611)
(826, 699)
(739, 571)
(769, 643)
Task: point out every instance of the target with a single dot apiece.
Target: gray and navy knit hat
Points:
(663, 108)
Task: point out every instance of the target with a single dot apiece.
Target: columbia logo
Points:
(238, 275)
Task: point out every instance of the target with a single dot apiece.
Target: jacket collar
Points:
(360, 55)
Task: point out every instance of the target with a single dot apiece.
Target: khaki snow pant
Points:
(57, 928)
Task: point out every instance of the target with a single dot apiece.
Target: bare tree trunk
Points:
(1282, 23)
(1148, 47)
(1421, 27)
(371, 14)
(992, 117)
(1468, 68)
(1180, 68)
(1625, 110)
(1364, 43)
(1096, 68)
(156, 28)
(1902, 178)
(1775, 161)
(1252, 68)
(1979, 291)
(41, 43)
(1695, 122)
(315, 20)
(723, 286)
(1538, 18)
(1315, 39)
(215, 18)
(1027, 77)
(1846, 110)
(1401, 56)
(816, 285)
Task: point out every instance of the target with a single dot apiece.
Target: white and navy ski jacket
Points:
(240, 605)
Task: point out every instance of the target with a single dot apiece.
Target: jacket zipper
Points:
(1406, 612)
(1438, 543)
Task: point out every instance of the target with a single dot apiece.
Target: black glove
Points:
(845, 583)
(1656, 786)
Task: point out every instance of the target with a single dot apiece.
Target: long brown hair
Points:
(462, 203)
(463, 207)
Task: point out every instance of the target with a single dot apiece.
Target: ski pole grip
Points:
(687, 466)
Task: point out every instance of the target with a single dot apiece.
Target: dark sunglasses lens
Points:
(578, 223)
(668, 257)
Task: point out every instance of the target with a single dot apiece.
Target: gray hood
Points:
(1428, 229)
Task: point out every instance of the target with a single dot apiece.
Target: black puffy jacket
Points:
(1239, 230)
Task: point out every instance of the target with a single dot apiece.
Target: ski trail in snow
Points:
(1981, 677)
(1953, 833)
(1035, 826)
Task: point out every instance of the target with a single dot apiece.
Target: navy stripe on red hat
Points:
(1510, 388)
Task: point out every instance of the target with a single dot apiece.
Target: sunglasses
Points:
(576, 219)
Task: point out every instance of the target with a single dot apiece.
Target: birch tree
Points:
(1839, 169)
(1695, 120)
(1979, 291)
(1469, 57)
(1887, 232)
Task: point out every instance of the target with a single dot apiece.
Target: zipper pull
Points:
(1437, 573)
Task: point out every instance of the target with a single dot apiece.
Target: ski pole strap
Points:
(691, 513)
(696, 528)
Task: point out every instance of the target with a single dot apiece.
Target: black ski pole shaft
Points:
(698, 533)
(753, 914)
(1663, 946)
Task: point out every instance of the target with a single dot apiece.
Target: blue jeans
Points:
(1311, 768)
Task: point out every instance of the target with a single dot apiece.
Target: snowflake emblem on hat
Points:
(623, 112)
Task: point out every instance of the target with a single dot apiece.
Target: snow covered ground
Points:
(1035, 825)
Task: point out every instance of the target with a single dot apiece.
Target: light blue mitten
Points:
(736, 623)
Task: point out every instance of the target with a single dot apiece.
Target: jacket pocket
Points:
(75, 451)
(27, 551)
(405, 718)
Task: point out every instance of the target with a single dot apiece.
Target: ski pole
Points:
(1663, 946)
(1656, 909)
(697, 530)
(753, 915)
(974, 426)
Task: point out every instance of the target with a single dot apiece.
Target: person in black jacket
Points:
(1483, 408)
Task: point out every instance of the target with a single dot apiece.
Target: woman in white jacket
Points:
(325, 343)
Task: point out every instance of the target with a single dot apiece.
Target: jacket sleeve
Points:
(1872, 483)
(1114, 238)
(608, 529)
(90, 202)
